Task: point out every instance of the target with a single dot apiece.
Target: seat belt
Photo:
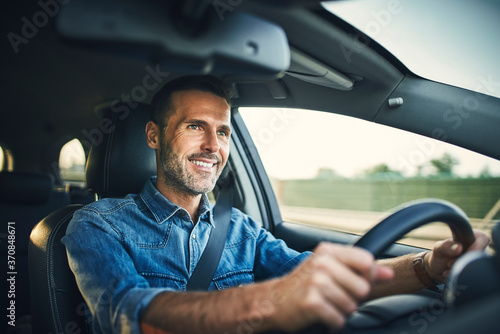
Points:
(209, 260)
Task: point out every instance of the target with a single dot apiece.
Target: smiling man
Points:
(191, 138)
(133, 257)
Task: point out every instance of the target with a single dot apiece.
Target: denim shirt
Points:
(124, 252)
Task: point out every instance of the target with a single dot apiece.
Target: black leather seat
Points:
(117, 165)
(25, 198)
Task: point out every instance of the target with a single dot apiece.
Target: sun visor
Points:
(235, 43)
(307, 69)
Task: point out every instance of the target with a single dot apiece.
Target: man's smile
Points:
(205, 164)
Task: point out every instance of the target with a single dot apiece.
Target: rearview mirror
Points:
(236, 44)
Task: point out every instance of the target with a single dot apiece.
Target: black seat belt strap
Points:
(209, 260)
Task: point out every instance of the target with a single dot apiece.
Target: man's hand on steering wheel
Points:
(439, 261)
(327, 287)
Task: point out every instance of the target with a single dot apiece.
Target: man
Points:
(132, 257)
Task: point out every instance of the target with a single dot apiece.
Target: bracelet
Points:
(421, 272)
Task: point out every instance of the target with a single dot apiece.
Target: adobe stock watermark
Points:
(453, 118)
(470, 103)
(121, 108)
(223, 6)
(31, 26)
(281, 119)
(422, 318)
(11, 273)
(263, 137)
(381, 19)
(124, 104)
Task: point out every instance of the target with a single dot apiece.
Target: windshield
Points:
(450, 41)
(350, 173)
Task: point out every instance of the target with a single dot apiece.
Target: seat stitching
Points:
(107, 158)
(52, 295)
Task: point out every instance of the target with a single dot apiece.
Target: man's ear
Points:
(153, 135)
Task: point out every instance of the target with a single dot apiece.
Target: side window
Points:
(6, 160)
(1, 159)
(72, 163)
(346, 174)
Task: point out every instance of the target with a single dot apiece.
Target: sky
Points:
(72, 154)
(450, 41)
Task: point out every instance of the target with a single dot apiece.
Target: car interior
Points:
(88, 70)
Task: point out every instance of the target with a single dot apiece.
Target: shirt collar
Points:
(163, 209)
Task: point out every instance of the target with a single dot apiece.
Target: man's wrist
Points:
(422, 273)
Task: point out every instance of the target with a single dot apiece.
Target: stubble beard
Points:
(178, 177)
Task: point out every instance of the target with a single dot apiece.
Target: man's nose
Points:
(211, 142)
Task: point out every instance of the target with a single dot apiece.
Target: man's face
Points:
(194, 146)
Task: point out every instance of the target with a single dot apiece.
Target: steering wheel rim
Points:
(415, 214)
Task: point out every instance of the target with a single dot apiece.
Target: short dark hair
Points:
(161, 103)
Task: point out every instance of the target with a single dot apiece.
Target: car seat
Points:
(119, 162)
(25, 198)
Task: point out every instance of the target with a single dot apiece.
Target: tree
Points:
(326, 173)
(378, 169)
(382, 170)
(485, 173)
(445, 164)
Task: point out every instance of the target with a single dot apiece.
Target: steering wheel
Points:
(415, 214)
(405, 219)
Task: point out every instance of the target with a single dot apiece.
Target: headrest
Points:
(25, 188)
(120, 160)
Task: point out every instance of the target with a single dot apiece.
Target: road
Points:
(359, 222)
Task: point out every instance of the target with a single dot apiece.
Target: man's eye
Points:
(223, 133)
(193, 126)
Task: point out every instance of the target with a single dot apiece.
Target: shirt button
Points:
(194, 236)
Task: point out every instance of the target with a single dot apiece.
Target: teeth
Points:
(202, 164)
